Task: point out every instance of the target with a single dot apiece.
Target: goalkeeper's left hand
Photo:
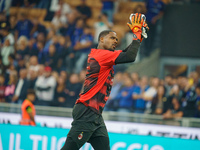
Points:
(145, 27)
(138, 26)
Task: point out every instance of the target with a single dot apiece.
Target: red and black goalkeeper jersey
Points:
(98, 82)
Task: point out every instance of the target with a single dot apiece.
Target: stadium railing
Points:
(108, 115)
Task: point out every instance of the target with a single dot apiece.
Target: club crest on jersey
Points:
(80, 136)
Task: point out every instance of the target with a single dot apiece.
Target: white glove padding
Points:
(144, 28)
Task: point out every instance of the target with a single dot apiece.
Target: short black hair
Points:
(104, 33)
(31, 92)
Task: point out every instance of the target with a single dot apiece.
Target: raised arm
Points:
(129, 54)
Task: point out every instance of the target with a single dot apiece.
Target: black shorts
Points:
(86, 125)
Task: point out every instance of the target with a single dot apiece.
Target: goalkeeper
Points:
(88, 124)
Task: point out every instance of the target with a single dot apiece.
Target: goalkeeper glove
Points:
(138, 26)
(145, 27)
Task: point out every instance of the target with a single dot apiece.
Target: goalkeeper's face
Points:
(110, 41)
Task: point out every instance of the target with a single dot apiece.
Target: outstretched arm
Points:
(129, 54)
(127, 47)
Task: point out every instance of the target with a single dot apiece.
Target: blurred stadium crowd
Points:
(172, 97)
(44, 46)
